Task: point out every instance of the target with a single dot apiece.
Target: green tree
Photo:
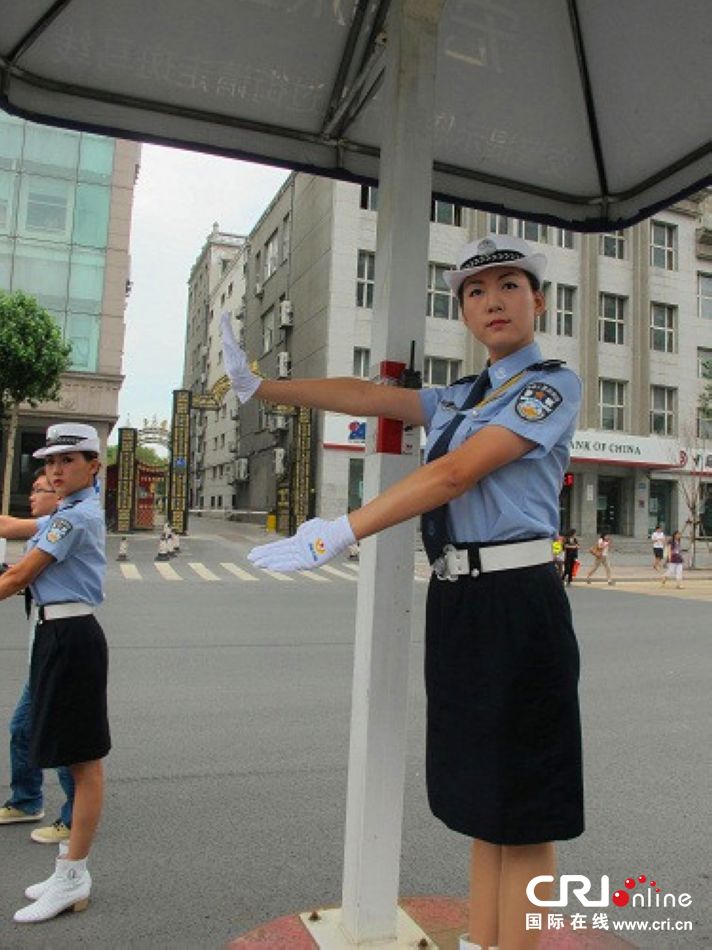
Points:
(32, 360)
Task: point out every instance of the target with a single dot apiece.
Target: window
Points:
(542, 320)
(365, 276)
(86, 281)
(215, 444)
(47, 204)
(271, 259)
(498, 224)
(443, 212)
(82, 332)
(362, 362)
(611, 399)
(704, 296)
(564, 238)
(612, 244)
(704, 364)
(611, 318)
(369, 198)
(662, 410)
(663, 245)
(531, 231)
(96, 158)
(267, 321)
(662, 328)
(222, 444)
(222, 300)
(565, 310)
(286, 236)
(7, 202)
(704, 427)
(91, 215)
(258, 266)
(440, 302)
(440, 372)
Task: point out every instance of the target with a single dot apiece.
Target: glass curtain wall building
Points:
(65, 207)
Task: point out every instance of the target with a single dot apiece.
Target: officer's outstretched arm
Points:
(353, 396)
(17, 529)
(17, 577)
(432, 485)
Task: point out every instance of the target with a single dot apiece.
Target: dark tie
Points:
(434, 523)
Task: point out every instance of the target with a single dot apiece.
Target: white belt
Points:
(61, 611)
(455, 562)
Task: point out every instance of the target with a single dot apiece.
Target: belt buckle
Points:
(453, 563)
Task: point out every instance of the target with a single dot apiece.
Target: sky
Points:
(177, 198)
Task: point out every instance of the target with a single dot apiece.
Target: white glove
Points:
(315, 543)
(243, 380)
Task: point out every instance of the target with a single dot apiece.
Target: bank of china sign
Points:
(587, 445)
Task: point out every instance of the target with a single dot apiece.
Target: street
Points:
(229, 703)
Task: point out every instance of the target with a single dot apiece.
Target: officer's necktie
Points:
(434, 523)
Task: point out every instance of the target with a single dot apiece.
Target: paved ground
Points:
(230, 714)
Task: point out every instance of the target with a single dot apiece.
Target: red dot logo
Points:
(620, 898)
(642, 879)
(652, 883)
(629, 883)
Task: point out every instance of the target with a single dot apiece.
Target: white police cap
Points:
(69, 437)
(494, 251)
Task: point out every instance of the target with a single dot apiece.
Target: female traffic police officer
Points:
(65, 567)
(503, 737)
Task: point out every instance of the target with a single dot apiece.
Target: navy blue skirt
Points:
(68, 679)
(503, 756)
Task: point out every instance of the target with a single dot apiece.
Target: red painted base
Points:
(442, 918)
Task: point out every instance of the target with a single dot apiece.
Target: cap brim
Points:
(88, 445)
(534, 264)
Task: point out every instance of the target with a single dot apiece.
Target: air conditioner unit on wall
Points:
(286, 314)
(284, 365)
(279, 461)
(242, 469)
(258, 288)
(232, 447)
(276, 422)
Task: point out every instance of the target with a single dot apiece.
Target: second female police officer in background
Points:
(25, 802)
(502, 664)
(65, 569)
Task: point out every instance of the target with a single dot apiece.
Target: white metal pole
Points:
(383, 620)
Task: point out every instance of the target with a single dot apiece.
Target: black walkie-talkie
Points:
(411, 378)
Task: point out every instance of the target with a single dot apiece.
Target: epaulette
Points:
(548, 364)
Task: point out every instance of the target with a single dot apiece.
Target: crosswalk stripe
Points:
(130, 572)
(278, 576)
(313, 576)
(237, 571)
(337, 573)
(353, 567)
(167, 572)
(202, 571)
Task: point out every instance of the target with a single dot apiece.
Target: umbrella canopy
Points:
(589, 114)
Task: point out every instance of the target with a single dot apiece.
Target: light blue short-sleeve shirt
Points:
(75, 537)
(521, 499)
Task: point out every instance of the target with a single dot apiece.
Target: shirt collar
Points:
(503, 370)
(77, 496)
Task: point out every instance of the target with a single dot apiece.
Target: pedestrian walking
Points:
(26, 801)
(675, 560)
(601, 552)
(502, 663)
(65, 569)
(658, 540)
(557, 549)
(571, 549)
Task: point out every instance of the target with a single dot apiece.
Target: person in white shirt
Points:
(658, 539)
(600, 551)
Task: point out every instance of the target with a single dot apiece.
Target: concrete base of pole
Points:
(440, 920)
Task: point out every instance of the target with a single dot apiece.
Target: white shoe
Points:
(35, 891)
(69, 887)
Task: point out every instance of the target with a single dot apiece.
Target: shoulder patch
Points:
(58, 529)
(537, 401)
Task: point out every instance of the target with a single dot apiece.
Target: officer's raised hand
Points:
(316, 542)
(244, 381)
